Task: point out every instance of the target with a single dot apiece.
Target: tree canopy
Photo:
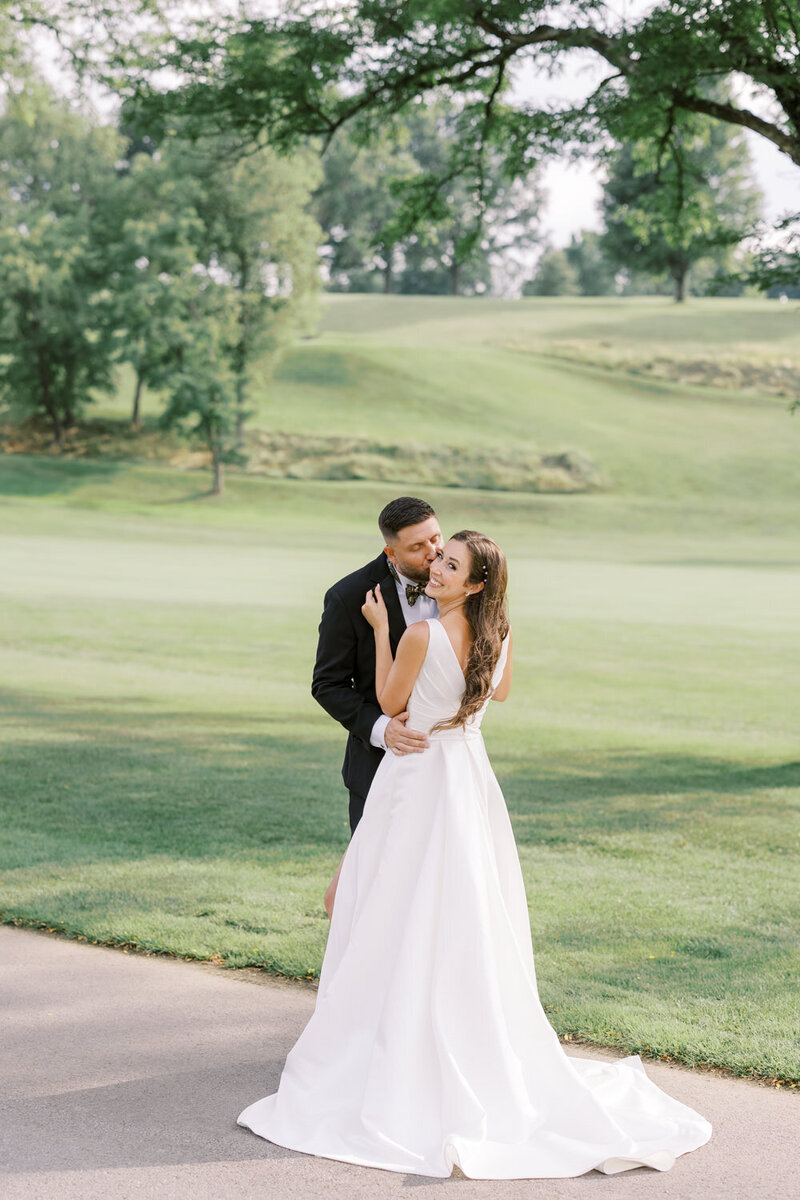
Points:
(306, 69)
(57, 185)
(316, 66)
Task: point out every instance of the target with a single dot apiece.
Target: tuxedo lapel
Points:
(397, 622)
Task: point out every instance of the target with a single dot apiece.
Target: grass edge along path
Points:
(310, 980)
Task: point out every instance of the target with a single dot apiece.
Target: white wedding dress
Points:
(429, 1047)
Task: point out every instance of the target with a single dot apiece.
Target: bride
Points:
(428, 1047)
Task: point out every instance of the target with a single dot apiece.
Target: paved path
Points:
(121, 1077)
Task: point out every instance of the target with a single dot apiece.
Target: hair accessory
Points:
(485, 572)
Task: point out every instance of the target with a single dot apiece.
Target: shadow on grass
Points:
(86, 785)
(207, 493)
(99, 781)
(37, 475)
(693, 796)
(655, 774)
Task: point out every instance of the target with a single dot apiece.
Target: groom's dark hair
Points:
(405, 510)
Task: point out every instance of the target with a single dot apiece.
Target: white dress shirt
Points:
(424, 608)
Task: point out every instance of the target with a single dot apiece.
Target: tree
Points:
(259, 237)
(596, 276)
(668, 206)
(555, 276)
(210, 208)
(464, 226)
(392, 205)
(222, 263)
(774, 265)
(202, 381)
(160, 246)
(58, 173)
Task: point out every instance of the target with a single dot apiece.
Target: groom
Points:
(344, 673)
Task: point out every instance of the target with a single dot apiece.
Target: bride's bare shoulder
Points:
(416, 636)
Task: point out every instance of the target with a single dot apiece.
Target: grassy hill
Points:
(548, 376)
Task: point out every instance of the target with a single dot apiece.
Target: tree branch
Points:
(785, 141)
(425, 75)
(612, 50)
(586, 37)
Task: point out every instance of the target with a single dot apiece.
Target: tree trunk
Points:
(136, 416)
(68, 390)
(388, 272)
(58, 428)
(240, 402)
(242, 349)
(47, 402)
(679, 275)
(455, 281)
(218, 486)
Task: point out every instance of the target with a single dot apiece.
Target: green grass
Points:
(721, 326)
(481, 374)
(167, 781)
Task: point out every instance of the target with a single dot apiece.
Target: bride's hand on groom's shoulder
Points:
(374, 608)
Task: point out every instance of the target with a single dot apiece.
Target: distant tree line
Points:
(398, 217)
(674, 216)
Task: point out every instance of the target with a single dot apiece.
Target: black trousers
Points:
(356, 809)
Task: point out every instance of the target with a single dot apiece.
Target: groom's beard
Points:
(415, 574)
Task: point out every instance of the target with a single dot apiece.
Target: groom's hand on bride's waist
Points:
(402, 740)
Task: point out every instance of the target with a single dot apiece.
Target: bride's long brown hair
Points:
(488, 620)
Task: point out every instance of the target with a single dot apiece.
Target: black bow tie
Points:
(413, 590)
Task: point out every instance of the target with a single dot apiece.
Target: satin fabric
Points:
(428, 1047)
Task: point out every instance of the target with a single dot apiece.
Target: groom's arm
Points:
(333, 683)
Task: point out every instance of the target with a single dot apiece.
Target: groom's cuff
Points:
(376, 738)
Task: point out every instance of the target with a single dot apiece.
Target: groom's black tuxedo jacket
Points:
(344, 673)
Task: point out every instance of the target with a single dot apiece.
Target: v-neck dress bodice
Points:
(438, 688)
